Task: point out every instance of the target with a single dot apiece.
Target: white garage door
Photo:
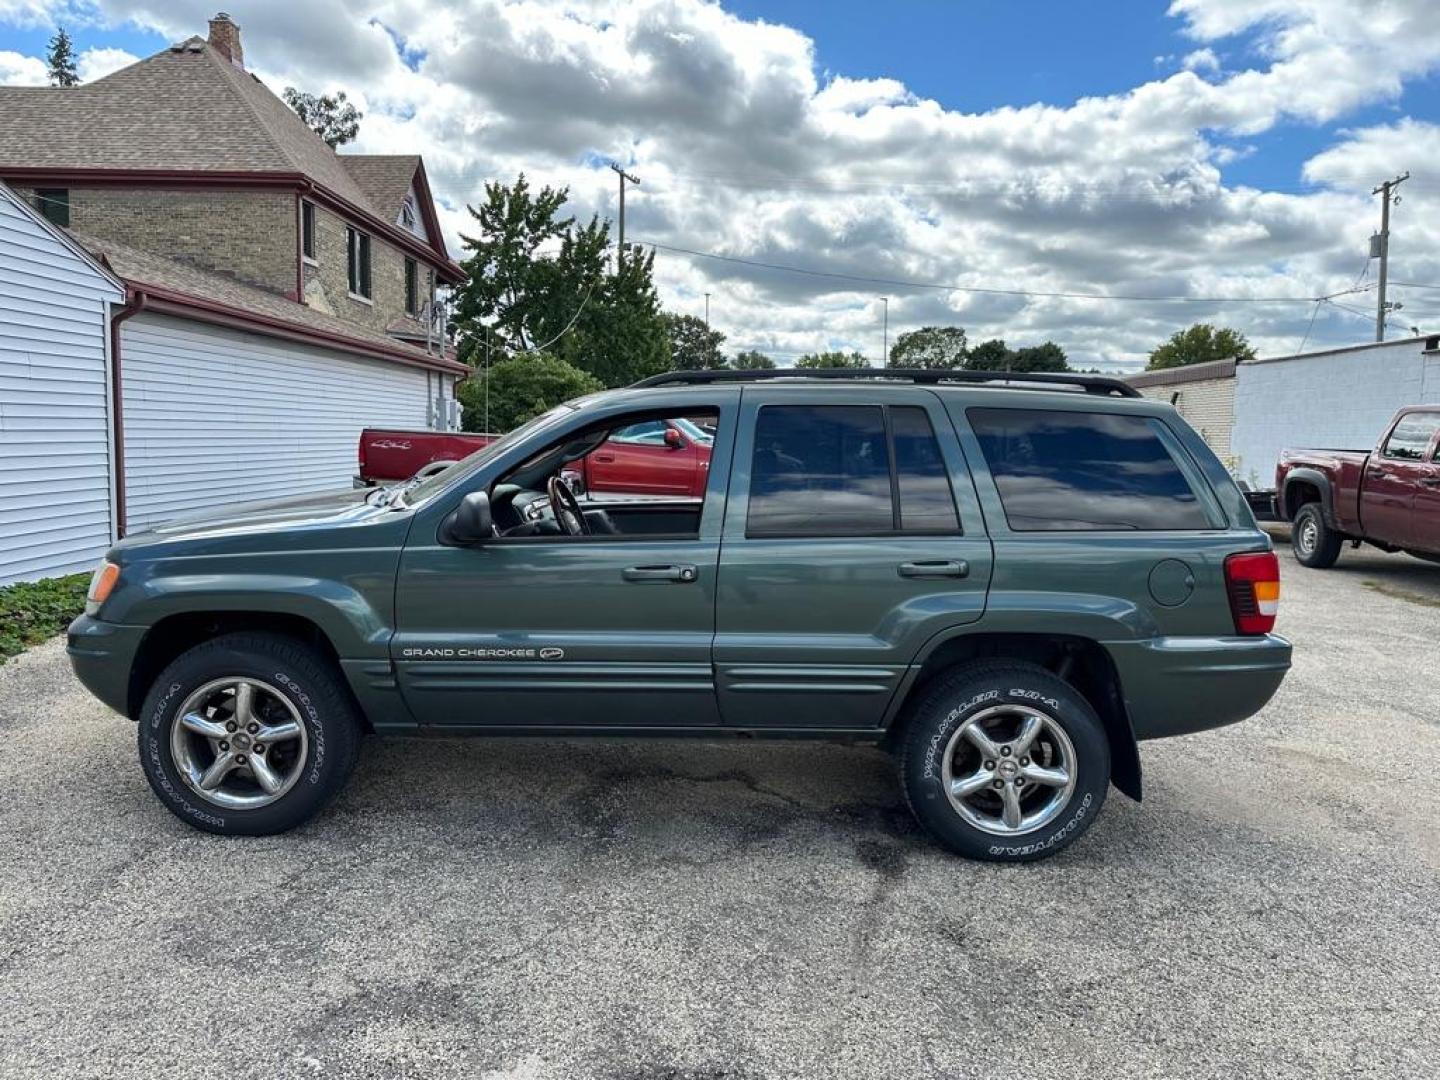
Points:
(216, 416)
(55, 509)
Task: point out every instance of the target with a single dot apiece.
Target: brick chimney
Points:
(225, 39)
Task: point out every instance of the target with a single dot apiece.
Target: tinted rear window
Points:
(1080, 471)
(1411, 437)
(825, 470)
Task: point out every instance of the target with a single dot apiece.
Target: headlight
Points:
(101, 585)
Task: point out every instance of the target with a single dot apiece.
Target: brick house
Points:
(278, 296)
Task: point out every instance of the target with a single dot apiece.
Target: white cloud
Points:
(94, 64)
(19, 70)
(1201, 60)
(744, 148)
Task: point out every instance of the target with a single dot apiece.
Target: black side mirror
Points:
(471, 522)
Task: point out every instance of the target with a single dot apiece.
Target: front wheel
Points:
(1316, 544)
(1005, 762)
(248, 734)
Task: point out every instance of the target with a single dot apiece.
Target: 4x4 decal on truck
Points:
(477, 653)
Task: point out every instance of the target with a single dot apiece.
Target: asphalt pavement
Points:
(692, 911)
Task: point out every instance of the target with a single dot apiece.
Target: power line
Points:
(985, 290)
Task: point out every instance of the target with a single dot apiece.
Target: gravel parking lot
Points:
(535, 909)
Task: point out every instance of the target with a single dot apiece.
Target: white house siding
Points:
(1337, 400)
(1207, 405)
(55, 461)
(216, 416)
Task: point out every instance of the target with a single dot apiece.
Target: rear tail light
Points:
(1253, 582)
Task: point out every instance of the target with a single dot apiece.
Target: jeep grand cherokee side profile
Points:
(1009, 581)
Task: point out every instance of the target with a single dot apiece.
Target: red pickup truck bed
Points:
(388, 455)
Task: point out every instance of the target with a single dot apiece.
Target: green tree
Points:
(536, 280)
(1046, 357)
(60, 58)
(1198, 344)
(330, 116)
(693, 345)
(929, 347)
(752, 360)
(832, 360)
(520, 387)
(992, 355)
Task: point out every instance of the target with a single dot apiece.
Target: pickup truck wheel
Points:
(248, 734)
(1002, 761)
(1315, 543)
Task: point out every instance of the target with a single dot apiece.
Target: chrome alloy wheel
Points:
(1009, 770)
(1308, 539)
(239, 743)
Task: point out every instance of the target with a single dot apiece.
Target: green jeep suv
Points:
(1007, 580)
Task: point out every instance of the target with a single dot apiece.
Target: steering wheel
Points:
(566, 507)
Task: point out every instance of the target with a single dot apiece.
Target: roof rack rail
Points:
(1030, 380)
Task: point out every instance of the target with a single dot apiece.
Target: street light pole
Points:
(885, 340)
(620, 251)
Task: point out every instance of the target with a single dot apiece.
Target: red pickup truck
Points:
(1389, 497)
(656, 457)
(388, 455)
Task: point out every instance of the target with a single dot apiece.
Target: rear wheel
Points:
(1315, 543)
(1005, 762)
(248, 734)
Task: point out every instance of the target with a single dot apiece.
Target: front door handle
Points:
(1430, 481)
(681, 573)
(935, 568)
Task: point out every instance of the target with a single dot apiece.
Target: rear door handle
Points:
(957, 568)
(606, 458)
(681, 573)
(1430, 481)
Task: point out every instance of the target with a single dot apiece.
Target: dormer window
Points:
(407, 212)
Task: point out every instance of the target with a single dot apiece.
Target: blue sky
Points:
(1216, 148)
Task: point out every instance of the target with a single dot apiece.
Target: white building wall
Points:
(55, 452)
(1338, 400)
(216, 416)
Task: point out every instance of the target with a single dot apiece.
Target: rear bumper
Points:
(103, 655)
(1175, 686)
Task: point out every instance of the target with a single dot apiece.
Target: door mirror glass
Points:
(673, 439)
(471, 522)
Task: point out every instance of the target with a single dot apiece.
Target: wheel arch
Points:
(175, 634)
(1304, 486)
(1082, 662)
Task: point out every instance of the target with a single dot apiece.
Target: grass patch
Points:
(34, 611)
(1386, 589)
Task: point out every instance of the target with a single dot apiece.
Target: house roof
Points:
(1212, 369)
(199, 293)
(384, 178)
(189, 109)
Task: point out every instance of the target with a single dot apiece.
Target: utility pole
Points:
(885, 334)
(707, 311)
(1385, 191)
(624, 176)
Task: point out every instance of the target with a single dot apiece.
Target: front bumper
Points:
(1175, 686)
(103, 655)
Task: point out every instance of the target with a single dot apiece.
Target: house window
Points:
(307, 230)
(54, 206)
(407, 212)
(412, 288)
(358, 250)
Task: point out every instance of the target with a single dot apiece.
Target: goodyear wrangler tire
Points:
(1002, 761)
(248, 734)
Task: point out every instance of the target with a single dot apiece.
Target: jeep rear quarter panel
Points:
(1182, 667)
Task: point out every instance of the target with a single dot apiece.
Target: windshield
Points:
(464, 467)
(692, 431)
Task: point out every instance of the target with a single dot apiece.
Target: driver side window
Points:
(577, 488)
